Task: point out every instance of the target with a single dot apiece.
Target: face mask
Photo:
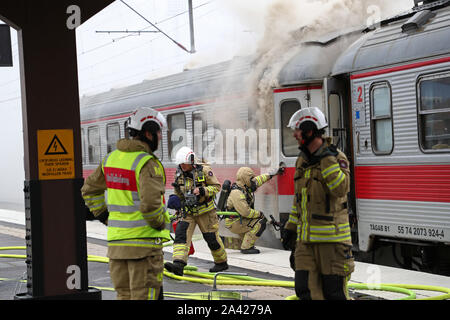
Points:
(253, 185)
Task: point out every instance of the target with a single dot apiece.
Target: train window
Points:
(434, 113)
(94, 145)
(176, 134)
(381, 119)
(227, 121)
(290, 145)
(336, 127)
(199, 133)
(112, 135)
(125, 128)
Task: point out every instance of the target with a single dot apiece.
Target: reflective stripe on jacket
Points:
(121, 171)
(319, 212)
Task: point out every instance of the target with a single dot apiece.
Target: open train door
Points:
(337, 102)
(338, 106)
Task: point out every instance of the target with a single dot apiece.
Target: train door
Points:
(286, 102)
(338, 107)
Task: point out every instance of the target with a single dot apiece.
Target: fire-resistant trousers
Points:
(138, 279)
(323, 270)
(249, 230)
(209, 226)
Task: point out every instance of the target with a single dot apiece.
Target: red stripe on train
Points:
(429, 183)
(303, 88)
(286, 182)
(178, 106)
(400, 68)
(125, 115)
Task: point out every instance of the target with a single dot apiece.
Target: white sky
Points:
(223, 29)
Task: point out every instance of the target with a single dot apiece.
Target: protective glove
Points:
(161, 227)
(89, 215)
(261, 215)
(103, 217)
(277, 171)
(174, 202)
(292, 260)
(288, 239)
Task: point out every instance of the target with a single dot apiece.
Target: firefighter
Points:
(196, 186)
(249, 224)
(134, 211)
(323, 258)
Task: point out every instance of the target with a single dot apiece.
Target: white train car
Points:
(400, 93)
(387, 99)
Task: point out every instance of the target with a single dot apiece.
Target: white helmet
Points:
(184, 156)
(144, 114)
(312, 114)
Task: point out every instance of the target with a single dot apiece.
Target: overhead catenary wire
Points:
(125, 52)
(143, 29)
(154, 26)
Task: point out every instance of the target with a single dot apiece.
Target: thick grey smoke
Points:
(279, 27)
(290, 22)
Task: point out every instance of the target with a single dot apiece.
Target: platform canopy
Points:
(5, 46)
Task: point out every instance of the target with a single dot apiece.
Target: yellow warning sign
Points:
(55, 154)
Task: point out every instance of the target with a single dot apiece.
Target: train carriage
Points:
(400, 92)
(188, 100)
(387, 98)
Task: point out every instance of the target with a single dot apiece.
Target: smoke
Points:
(277, 28)
(290, 22)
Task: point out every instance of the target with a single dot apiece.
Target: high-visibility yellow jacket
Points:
(135, 183)
(319, 212)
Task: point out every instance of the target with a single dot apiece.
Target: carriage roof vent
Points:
(425, 2)
(417, 21)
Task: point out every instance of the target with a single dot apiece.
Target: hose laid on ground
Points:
(212, 295)
(245, 280)
(425, 288)
(208, 278)
(410, 295)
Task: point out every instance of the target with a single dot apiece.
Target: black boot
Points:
(177, 267)
(251, 250)
(219, 267)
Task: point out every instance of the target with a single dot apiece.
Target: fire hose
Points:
(192, 275)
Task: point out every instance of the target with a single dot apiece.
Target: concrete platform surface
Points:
(273, 263)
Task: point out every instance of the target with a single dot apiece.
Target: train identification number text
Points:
(409, 231)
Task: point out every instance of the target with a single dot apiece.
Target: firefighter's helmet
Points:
(184, 156)
(144, 114)
(312, 114)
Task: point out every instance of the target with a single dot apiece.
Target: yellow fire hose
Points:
(192, 275)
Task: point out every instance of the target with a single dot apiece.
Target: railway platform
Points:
(368, 282)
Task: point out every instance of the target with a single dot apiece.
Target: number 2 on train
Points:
(360, 92)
